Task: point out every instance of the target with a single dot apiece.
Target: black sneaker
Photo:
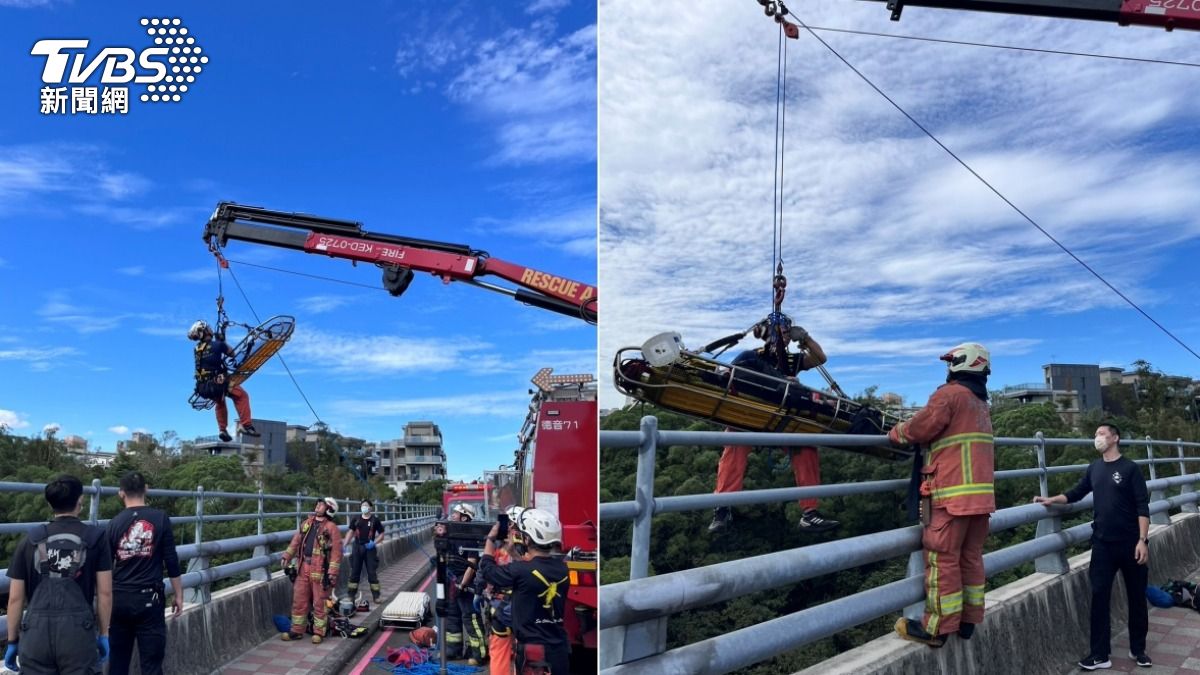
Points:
(966, 630)
(722, 517)
(813, 521)
(1095, 663)
(1142, 659)
(912, 631)
(248, 430)
(224, 436)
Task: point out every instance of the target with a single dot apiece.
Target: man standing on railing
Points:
(1120, 541)
(773, 359)
(317, 546)
(60, 567)
(142, 542)
(955, 432)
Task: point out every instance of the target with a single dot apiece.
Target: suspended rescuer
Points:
(539, 583)
(315, 558)
(142, 544)
(211, 375)
(362, 540)
(60, 568)
(773, 358)
(1120, 541)
(954, 430)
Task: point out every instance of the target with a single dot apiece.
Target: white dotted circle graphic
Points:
(190, 78)
(204, 59)
(197, 50)
(145, 22)
(187, 69)
(150, 88)
(187, 50)
(183, 87)
(191, 40)
(154, 97)
(174, 50)
(173, 31)
(172, 59)
(153, 22)
(145, 97)
(150, 31)
(158, 41)
(196, 69)
(173, 88)
(176, 21)
(185, 61)
(176, 97)
(183, 31)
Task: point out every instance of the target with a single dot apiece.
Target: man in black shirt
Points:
(1119, 542)
(60, 568)
(539, 591)
(142, 543)
(364, 535)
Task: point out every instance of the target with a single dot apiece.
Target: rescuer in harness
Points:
(957, 496)
(776, 331)
(211, 375)
(539, 584)
(316, 546)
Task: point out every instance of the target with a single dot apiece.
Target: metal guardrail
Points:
(399, 520)
(633, 614)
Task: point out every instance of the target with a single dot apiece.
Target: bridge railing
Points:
(633, 613)
(399, 519)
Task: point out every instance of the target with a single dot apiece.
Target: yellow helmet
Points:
(969, 357)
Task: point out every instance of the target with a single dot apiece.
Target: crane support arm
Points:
(1168, 14)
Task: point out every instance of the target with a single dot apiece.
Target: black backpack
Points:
(62, 555)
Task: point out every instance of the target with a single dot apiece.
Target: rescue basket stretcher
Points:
(259, 345)
(407, 611)
(748, 400)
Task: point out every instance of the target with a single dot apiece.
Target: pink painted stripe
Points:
(387, 633)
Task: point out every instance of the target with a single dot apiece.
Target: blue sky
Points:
(459, 122)
(893, 252)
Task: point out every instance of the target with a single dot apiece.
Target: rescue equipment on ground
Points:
(407, 610)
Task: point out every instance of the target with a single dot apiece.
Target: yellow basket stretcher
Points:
(748, 400)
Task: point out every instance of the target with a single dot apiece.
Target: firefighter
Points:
(211, 375)
(539, 584)
(318, 555)
(774, 359)
(500, 638)
(955, 432)
(456, 566)
(463, 565)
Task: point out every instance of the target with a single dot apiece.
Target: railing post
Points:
(622, 644)
(916, 568)
(298, 507)
(94, 507)
(261, 573)
(1189, 507)
(1162, 517)
(1056, 562)
(202, 593)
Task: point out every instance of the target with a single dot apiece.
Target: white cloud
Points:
(120, 430)
(38, 358)
(379, 356)
(119, 185)
(538, 6)
(132, 271)
(571, 229)
(321, 304)
(884, 235)
(25, 4)
(12, 420)
(503, 404)
(197, 275)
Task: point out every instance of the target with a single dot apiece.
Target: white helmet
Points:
(331, 505)
(465, 509)
(969, 357)
(514, 514)
(197, 330)
(541, 526)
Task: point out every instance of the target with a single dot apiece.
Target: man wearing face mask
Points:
(1119, 542)
(365, 535)
(954, 431)
(315, 547)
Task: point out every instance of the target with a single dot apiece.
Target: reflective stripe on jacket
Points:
(955, 431)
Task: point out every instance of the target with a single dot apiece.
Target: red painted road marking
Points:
(387, 633)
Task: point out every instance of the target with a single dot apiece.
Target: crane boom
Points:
(1168, 14)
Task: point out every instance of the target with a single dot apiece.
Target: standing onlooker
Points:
(365, 535)
(955, 432)
(142, 543)
(60, 568)
(1119, 542)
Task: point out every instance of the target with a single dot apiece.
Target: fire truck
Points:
(556, 465)
(474, 493)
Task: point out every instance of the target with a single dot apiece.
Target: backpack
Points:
(61, 555)
(1183, 593)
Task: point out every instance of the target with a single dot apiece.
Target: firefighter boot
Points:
(912, 630)
(722, 517)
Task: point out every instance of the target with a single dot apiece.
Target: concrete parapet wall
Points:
(1038, 624)
(204, 637)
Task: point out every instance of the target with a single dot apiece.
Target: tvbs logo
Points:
(168, 69)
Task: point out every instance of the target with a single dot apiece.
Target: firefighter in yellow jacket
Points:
(316, 549)
(954, 431)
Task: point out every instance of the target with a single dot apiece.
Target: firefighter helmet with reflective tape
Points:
(514, 514)
(331, 505)
(465, 509)
(541, 527)
(969, 357)
(197, 330)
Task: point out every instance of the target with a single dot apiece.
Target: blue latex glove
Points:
(10, 657)
(102, 645)
(371, 545)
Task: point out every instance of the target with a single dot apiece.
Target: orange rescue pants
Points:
(501, 654)
(309, 591)
(241, 403)
(731, 470)
(954, 579)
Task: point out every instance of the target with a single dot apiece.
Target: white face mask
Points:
(1100, 443)
(365, 509)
